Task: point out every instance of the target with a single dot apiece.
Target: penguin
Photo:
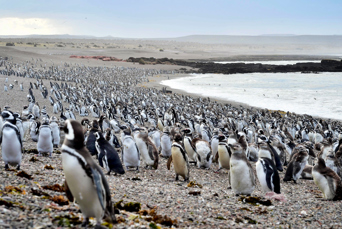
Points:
(34, 130)
(90, 139)
(179, 158)
(297, 165)
(332, 162)
(268, 175)
(45, 138)
(19, 124)
(188, 146)
(154, 133)
(130, 152)
(111, 138)
(84, 178)
(327, 181)
(223, 153)
(204, 155)
(107, 155)
(103, 123)
(147, 149)
(165, 143)
(55, 131)
(214, 143)
(242, 177)
(11, 140)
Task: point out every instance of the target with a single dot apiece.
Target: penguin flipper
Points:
(169, 162)
(98, 186)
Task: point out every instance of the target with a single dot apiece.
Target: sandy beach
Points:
(205, 203)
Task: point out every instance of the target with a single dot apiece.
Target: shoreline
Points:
(155, 82)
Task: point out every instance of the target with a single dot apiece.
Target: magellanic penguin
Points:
(107, 155)
(84, 178)
(214, 143)
(242, 177)
(267, 172)
(188, 146)
(11, 140)
(179, 159)
(165, 143)
(34, 130)
(147, 149)
(223, 153)
(90, 139)
(332, 162)
(45, 138)
(130, 152)
(327, 181)
(297, 165)
(55, 131)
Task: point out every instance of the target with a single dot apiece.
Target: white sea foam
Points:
(271, 62)
(314, 94)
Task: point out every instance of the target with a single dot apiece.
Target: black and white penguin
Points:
(165, 143)
(11, 140)
(45, 138)
(267, 174)
(154, 133)
(179, 158)
(223, 153)
(296, 165)
(188, 146)
(332, 162)
(130, 152)
(111, 138)
(84, 178)
(34, 130)
(55, 131)
(90, 137)
(147, 149)
(107, 155)
(214, 142)
(327, 181)
(242, 177)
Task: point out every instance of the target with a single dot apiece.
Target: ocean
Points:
(314, 94)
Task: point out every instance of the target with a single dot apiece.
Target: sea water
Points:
(314, 94)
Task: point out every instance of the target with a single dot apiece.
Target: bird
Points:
(179, 158)
(84, 178)
(11, 140)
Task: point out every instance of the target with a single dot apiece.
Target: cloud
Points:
(27, 26)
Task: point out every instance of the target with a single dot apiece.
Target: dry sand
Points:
(215, 206)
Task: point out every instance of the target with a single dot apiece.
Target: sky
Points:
(172, 18)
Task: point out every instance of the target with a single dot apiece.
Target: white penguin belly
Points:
(188, 148)
(82, 187)
(224, 158)
(165, 144)
(179, 163)
(323, 185)
(240, 178)
(144, 152)
(262, 177)
(11, 149)
(130, 155)
(45, 141)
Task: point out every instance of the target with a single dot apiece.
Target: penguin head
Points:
(45, 121)
(95, 124)
(222, 138)
(8, 116)
(53, 119)
(98, 136)
(187, 131)
(236, 148)
(73, 134)
(178, 138)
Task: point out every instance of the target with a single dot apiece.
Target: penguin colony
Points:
(142, 124)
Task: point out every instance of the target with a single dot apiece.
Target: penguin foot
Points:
(18, 167)
(39, 154)
(229, 187)
(6, 167)
(109, 173)
(176, 178)
(50, 154)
